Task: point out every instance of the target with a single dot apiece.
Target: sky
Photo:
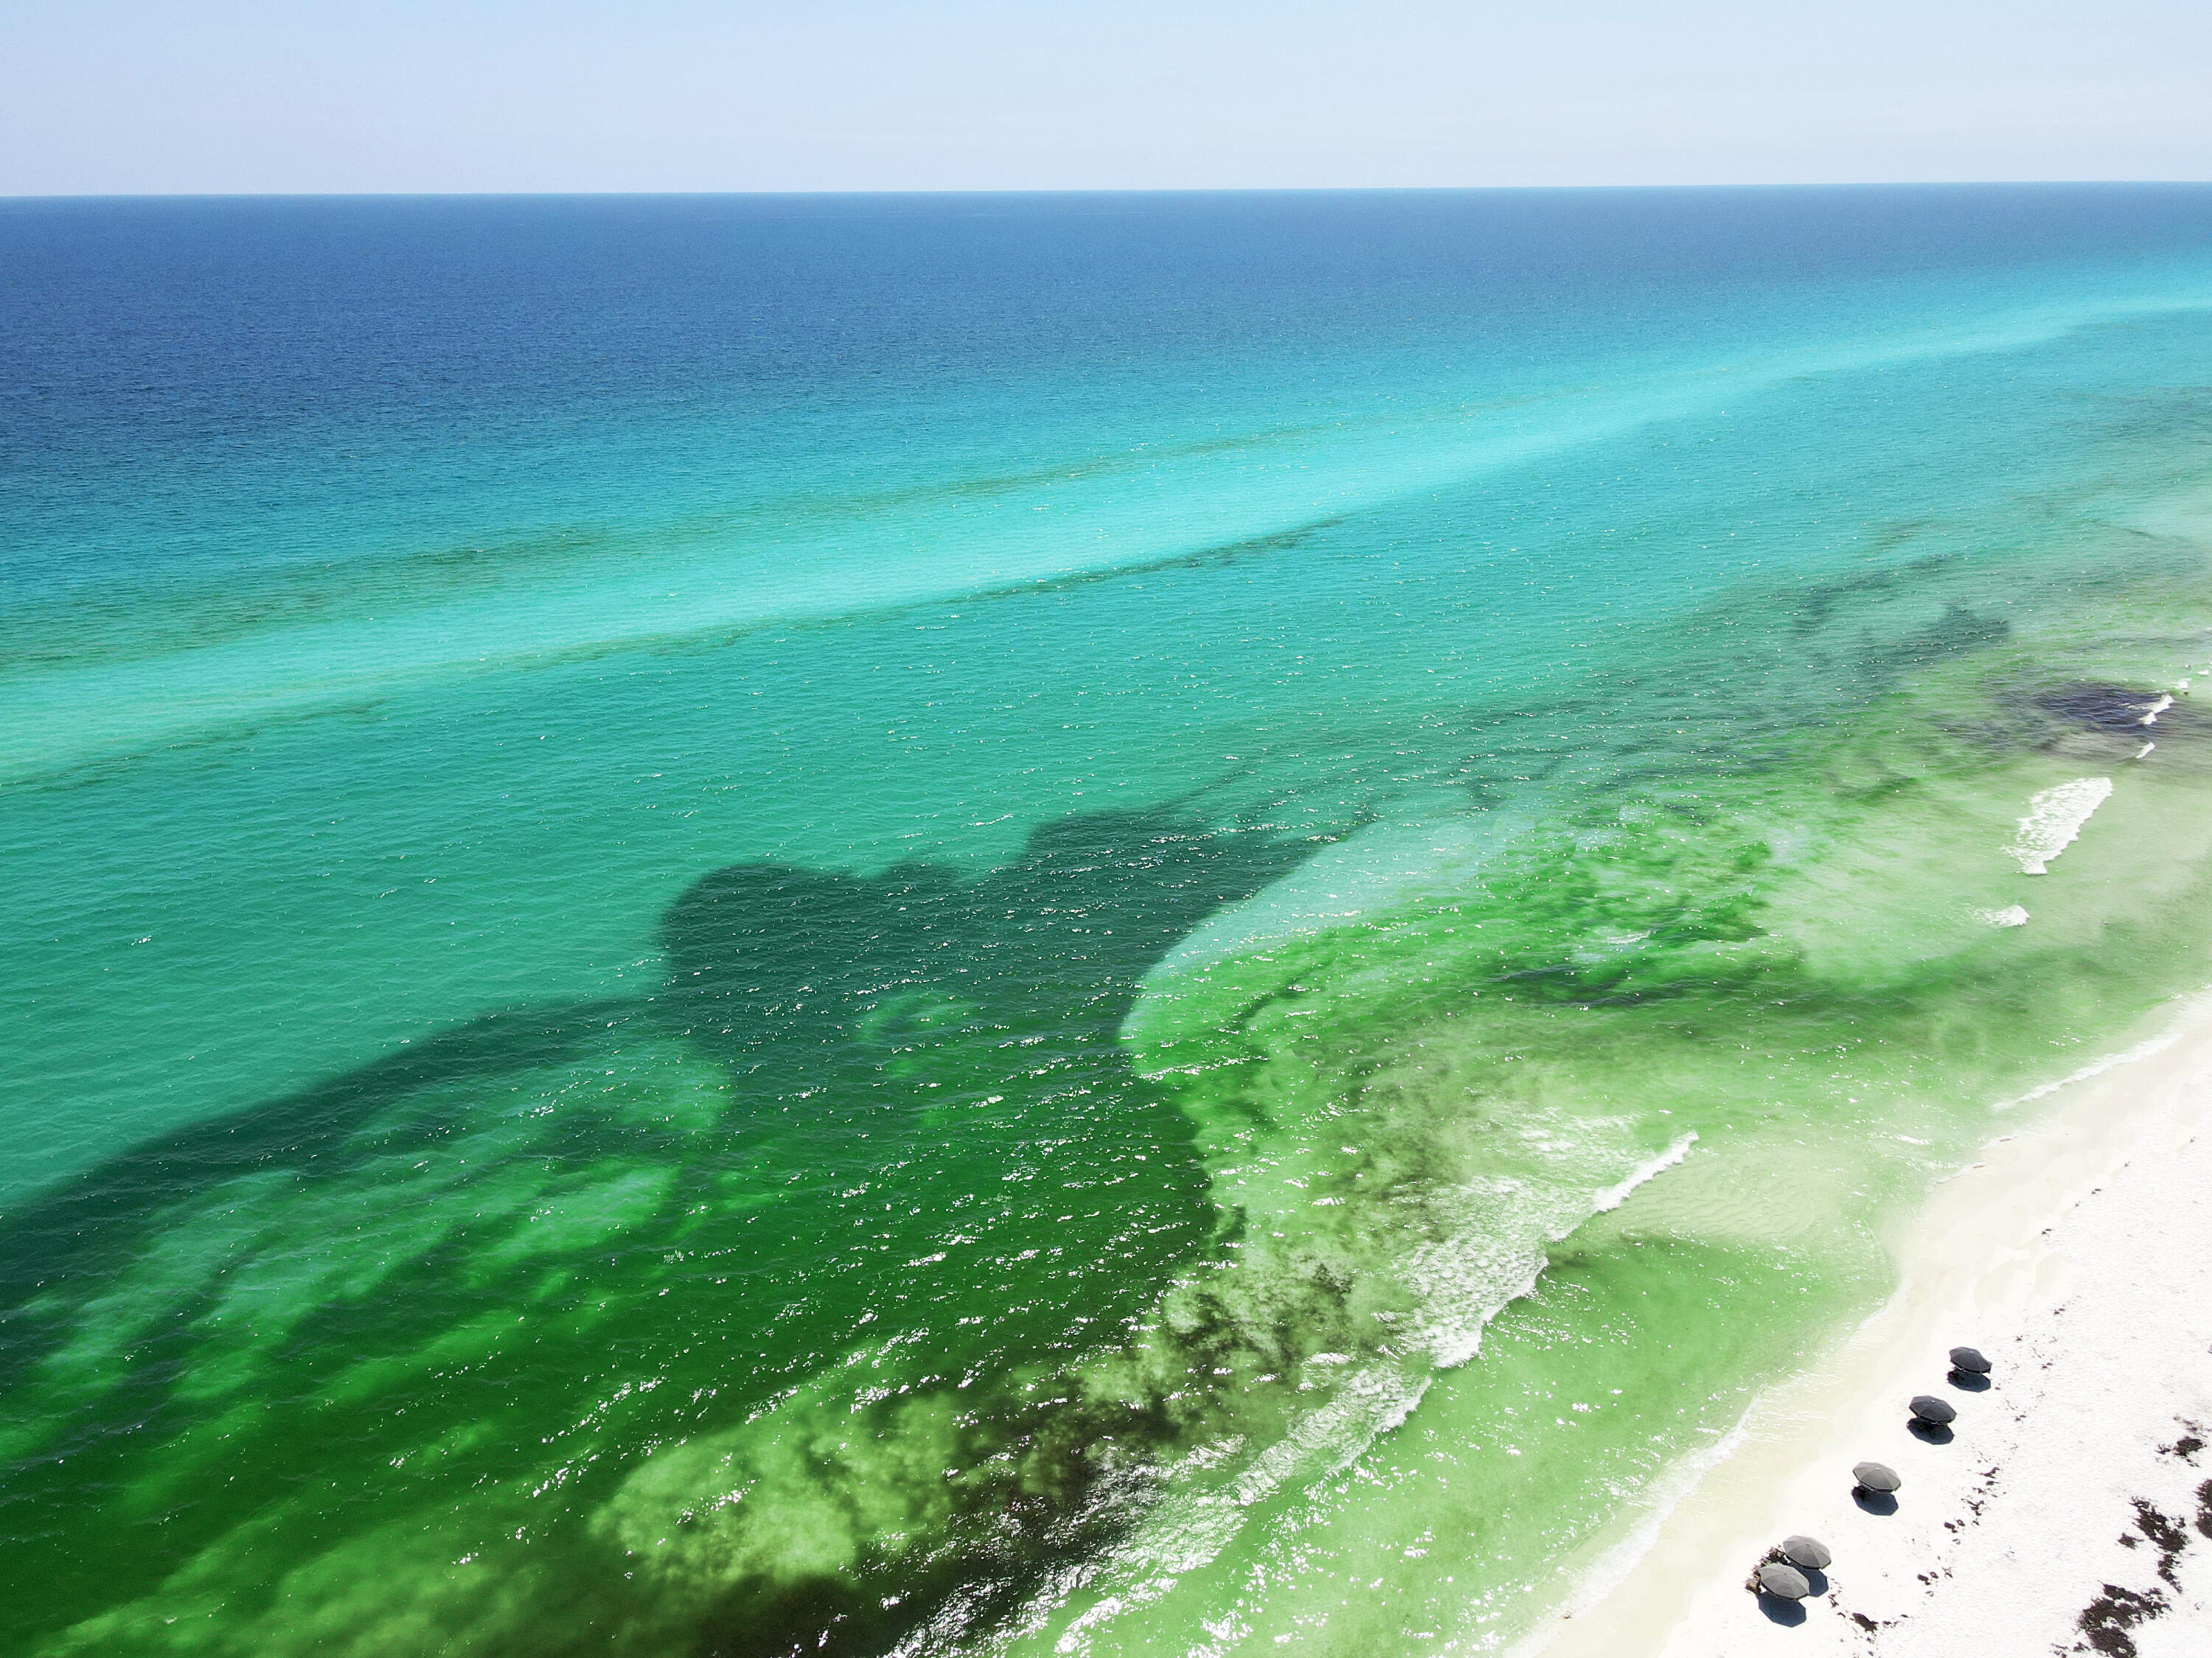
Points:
(160, 96)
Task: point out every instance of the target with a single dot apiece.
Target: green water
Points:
(1258, 1097)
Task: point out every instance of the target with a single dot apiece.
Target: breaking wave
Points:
(2054, 818)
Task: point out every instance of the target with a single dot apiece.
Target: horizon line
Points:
(1090, 190)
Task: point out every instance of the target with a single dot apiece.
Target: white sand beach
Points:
(2071, 1508)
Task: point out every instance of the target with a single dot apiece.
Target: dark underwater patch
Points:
(2118, 709)
(906, 1055)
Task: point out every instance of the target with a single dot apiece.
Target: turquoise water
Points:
(1091, 924)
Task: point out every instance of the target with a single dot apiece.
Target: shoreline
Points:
(2077, 1253)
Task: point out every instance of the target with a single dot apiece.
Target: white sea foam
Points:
(2151, 713)
(1465, 1283)
(1614, 1197)
(1463, 1289)
(2010, 915)
(2054, 818)
(2145, 750)
(1187, 1530)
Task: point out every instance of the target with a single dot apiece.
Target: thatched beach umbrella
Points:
(1808, 1553)
(1877, 1477)
(1928, 1408)
(1969, 1360)
(1784, 1582)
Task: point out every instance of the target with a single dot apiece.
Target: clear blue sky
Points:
(160, 95)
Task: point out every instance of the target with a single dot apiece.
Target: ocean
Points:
(1093, 924)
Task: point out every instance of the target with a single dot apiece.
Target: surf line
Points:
(2054, 818)
(2196, 1012)
(1186, 1529)
(1611, 1199)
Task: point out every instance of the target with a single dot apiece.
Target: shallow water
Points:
(1102, 923)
